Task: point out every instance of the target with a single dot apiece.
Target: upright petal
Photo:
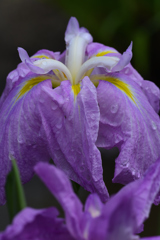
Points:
(61, 188)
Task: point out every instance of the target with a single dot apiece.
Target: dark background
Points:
(35, 24)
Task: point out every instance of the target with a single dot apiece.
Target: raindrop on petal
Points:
(44, 63)
(114, 108)
(20, 139)
(59, 125)
(11, 155)
(53, 106)
(154, 127)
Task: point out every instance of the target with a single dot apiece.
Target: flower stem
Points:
(14, 192)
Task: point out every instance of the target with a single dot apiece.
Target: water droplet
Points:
(59, 125)
(41, 99)
(114, 108)
(20, 139)
(138, 175)
(126, 71)
(125, 164)
(11, 155)
(53, 106)
(154, 127)
(44, 63)
(133, 172)
(92, 116)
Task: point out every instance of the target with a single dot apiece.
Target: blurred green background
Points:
(40, 24)
(117, 23)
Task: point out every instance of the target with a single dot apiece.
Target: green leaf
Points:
(14, 192)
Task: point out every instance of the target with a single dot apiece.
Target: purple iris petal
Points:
(23, 54)
(153, 94)
(123, 215)
(73, 29)
(44, 53)
(36, 225)
(71, 125)
(124, 60)
(62, 190)
(120, 218)
(130, 124)
(151, 91)
(22, 132)
(95, 48)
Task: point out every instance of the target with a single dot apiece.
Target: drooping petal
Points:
(61, 188)
(36, 225)
(153, 94)
(151, 91)
(22, 131)
(128, 121)
(71, 123)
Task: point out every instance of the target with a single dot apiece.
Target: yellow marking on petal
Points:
(29, 84)
(100, 54)
(40, 56)
(115, 81)
(76, 89)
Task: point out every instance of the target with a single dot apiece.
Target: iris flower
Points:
(120, 218)
(64, 106)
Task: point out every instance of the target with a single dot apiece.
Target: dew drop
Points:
(126, 71)
(114, 108)
(125, 164)
(41, 100)
(59, 125)
(53, 106)
(138, 175)
(154, 127)
(11, 155)
(44, 63)
(20, 139)
(133, 172)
